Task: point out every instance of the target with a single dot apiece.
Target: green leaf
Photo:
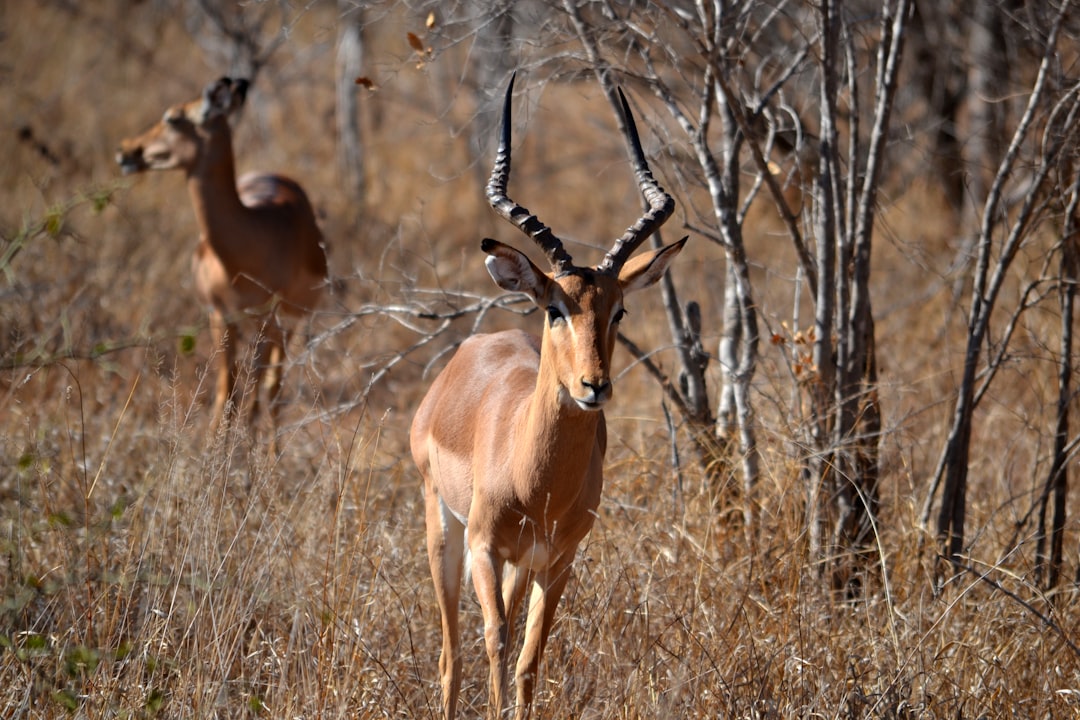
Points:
(81, 660)
(54, 223)
(61, 518)
(155, 701)
(34, 641)
(100, 200)
(66, 699)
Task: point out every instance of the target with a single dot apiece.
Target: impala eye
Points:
(618, 316)
(554, 314)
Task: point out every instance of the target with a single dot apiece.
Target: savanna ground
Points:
(151, 571)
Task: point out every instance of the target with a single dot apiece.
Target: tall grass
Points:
(149, 574)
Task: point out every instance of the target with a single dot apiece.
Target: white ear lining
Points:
(510, 271)
(497, 267)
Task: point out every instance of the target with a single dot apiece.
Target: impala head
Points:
(182, 138)
(583, 306)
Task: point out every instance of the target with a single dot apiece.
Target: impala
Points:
(260, 251)
(510, 438)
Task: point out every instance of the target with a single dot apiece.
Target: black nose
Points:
(130, 160)
(600, 388)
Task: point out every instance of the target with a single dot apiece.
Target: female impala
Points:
(510, 438)
(260, 250)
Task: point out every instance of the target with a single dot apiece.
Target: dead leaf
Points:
(416, 43)
(430, 20)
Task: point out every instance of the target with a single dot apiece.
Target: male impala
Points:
(510, 438)
(260, 251)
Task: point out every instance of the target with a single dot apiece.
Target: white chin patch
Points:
(587, 406)
(566, 399)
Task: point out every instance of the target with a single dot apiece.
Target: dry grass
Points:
(148, 571)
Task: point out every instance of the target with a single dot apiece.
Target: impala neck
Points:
(557, 438)
(212, 186)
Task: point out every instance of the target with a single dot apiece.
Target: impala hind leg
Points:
(274, 373)
(446, 557)
(516, 580)
(546, 592)
(268, 368)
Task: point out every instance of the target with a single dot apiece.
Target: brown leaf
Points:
(416, 43)
(365, 81)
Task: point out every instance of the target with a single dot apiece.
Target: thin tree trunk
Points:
(739, 346)
(859, 420)
(349, 67)
(730, 339)
(1057, 481)
(825, 200)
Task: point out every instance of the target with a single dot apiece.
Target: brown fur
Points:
(260, 252)
(510, 440)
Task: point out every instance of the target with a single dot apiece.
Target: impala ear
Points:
(224, 96)
(239, 92)
(512, 270)
(643, 270)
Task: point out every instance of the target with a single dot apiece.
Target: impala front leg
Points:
(487, 579)
(546, 592)
(223, 337)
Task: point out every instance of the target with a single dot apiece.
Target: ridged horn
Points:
(521, 218)
(661, 205)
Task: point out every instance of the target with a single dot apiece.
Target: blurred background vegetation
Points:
(837, 481)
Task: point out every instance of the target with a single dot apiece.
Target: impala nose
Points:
(130, 160)
(599, 392)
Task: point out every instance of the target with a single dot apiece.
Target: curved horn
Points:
(661, 205)
(525, 221)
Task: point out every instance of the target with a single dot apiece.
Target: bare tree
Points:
(843, 471)
(727, 104)
(993, 262)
